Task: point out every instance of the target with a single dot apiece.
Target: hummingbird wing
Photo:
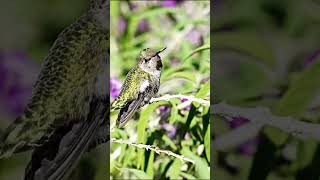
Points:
(62, 91)
(127, 112)
(132, 95)
(57, 158)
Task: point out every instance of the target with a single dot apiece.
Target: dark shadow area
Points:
(265, 95)
(54, 89)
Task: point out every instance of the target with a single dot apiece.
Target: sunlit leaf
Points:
(150, 166)
(140, 174)
(207, 142)
(202, 168)
(174, 169)
(142, 125)
(202, 48)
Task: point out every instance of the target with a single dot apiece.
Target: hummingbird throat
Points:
(155, 73)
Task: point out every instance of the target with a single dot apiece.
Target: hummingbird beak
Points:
(161, 50)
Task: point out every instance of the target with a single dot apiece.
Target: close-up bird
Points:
(68, 100)
(141, 84)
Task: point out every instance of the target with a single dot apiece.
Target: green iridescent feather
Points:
(131, 87)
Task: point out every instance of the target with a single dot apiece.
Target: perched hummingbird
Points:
(74, 76)
(141, 84)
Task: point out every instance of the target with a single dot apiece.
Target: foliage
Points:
(184, 29)
(268, 53)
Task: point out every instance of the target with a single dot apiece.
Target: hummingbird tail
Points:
(70, 147)
(128, 111)
(10, 142)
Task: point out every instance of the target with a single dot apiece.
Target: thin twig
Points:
(152, 148)
(261, 117)
(190, 98)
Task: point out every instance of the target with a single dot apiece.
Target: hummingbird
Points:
(73, 77)
(141, 84)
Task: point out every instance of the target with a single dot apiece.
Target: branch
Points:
(153, 148)
(191, 98)
(260, 117)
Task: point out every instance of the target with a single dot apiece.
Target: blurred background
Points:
(184, 28)
(266, 53)
(28, 30)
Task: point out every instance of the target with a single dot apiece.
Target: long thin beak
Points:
(161, 50)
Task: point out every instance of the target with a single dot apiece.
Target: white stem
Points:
(190, 98)
(261, 117)
(152, 148)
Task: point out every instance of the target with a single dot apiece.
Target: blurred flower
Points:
(184, 100)
(237, 121)
(171, 129)
(175, 62)
(195, 37)
(115, 87)
(163, 109)
(122, 24)
(170, 3)
(312, 58)
(249, 147)
(143, 26)
(17, 74)
(187, 136)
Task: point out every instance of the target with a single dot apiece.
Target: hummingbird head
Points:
(100, 12)
(150, 61)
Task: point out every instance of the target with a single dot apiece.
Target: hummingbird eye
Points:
(146, 60)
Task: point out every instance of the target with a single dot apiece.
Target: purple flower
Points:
(143, 26)
(312, 58)
(237, 121)
(122, 25)
(17, 76)
(188, 107)
(195, 37)
(171, 129)
(115, 87)
(248, 147)
(168, 3)
(163, 109)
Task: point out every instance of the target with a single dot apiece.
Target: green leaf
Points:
(142, 125)
(202, 168)
(187, 176)
(199, 49)
(249, 43)
(306, 152)
(297, 99)
(204, 90)
(207, 142)
(302, 91)
(174, 111)
(184, 75)
(140, 174)
(169, 142)
(174, 170)
(150, 164)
